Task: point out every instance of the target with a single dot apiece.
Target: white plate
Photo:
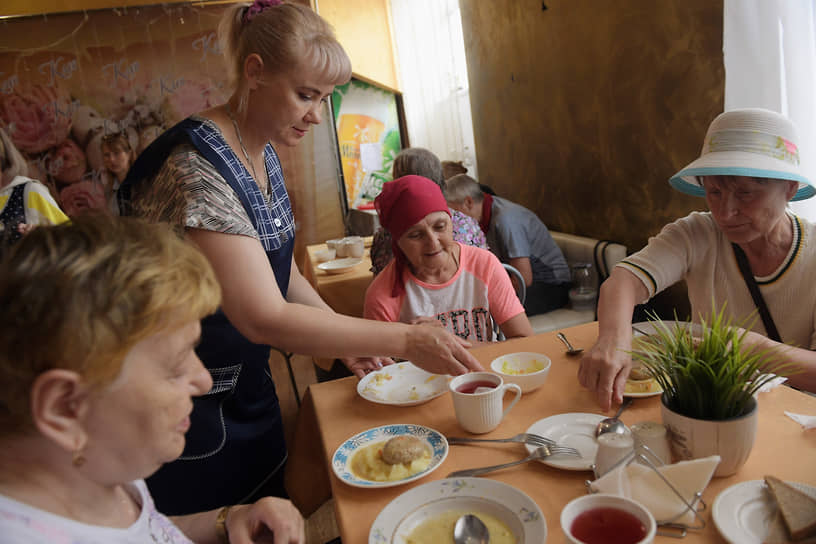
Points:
(656, 391)
(341, 460)
(338, 266)
(744, 511)
(402, 384)
(573, 429)
(518, 511)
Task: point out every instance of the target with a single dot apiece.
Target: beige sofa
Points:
(603, 255)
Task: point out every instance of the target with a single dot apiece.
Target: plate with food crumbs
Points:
(402, 384)
(428, 512)
(389, 455)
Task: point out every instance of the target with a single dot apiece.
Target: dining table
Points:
(333, 412)
(344, 291)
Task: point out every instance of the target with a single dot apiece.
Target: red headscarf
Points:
(402, 204)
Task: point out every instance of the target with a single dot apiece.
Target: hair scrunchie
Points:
(259, 6)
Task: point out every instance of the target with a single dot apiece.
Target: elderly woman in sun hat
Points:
(748, 171)
(433, 278)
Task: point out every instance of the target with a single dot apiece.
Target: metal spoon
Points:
(570, 350)
(470, 530)
(613, 424)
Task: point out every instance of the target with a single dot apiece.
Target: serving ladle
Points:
(570, 350)
(469, 529)
(613, 424)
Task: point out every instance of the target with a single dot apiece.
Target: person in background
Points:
(24, 202)
(519, 238)
(434, 278)
(418, 161)
(217, 177)
(97, 335)
(747, 172)
(117, 156)
(453, 168)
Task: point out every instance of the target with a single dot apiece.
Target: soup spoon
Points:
(570, 350)
(470, 530)
(613, 424)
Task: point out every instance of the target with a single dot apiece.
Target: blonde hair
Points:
(286, 36)
(12, 163)
(81, 295)
(418, 161)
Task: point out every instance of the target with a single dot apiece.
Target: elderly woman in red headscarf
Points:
(432, 277)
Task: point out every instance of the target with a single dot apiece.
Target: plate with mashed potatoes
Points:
(389, 455)
(402, 384)
(428, 512)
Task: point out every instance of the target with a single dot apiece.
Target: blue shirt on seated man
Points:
(519, 238)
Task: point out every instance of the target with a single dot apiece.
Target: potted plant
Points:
(709, 378)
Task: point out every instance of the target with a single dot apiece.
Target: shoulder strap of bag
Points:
(748, 276)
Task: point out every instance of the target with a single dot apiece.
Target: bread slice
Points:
(798, 509)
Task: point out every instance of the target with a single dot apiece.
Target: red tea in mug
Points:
(607, 525)
(471, 387)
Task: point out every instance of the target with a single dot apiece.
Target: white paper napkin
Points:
(771, 384)
(808, 422)
(641, 483)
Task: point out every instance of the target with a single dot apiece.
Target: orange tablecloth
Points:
(783, 448)
(344, 292)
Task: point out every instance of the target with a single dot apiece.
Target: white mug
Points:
(478, 400)
(354, 246)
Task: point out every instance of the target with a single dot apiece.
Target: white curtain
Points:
(769, 49)
(433, 78)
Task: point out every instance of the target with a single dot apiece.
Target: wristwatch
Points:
(221, 525)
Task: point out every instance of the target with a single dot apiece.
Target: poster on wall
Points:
(369, 136)
(73, 81)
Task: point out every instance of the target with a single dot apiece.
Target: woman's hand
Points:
(360, 366)
(268, 520)
(434, 349)
(605, 368)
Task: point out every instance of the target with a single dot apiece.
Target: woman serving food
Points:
(216, 176)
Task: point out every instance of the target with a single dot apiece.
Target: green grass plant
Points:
(706, 372)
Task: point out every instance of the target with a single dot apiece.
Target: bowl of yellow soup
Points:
(359, 461)
(427, 513)
(526, 369)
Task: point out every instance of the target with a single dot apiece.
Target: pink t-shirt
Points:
(479, 293)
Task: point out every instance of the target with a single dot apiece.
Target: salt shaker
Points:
(654, 436)
(612, 449)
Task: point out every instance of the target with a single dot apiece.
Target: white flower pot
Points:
(731, 439)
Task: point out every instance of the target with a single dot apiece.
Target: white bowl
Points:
(602, 500)
(323, 255)
(515, 368)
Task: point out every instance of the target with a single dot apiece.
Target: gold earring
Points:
(78, 459)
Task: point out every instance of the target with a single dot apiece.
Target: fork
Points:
(522, 438)
(540, 453)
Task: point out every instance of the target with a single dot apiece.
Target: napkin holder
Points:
(667, 527)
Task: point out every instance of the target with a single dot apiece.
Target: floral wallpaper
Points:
(69, 80)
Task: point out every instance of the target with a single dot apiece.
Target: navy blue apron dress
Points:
(235, 449)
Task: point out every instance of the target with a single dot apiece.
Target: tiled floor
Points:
(321, 526)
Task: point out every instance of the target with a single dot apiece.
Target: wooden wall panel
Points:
(582, 111)
(364, 29)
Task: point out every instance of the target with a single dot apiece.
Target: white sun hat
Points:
(747, 142)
